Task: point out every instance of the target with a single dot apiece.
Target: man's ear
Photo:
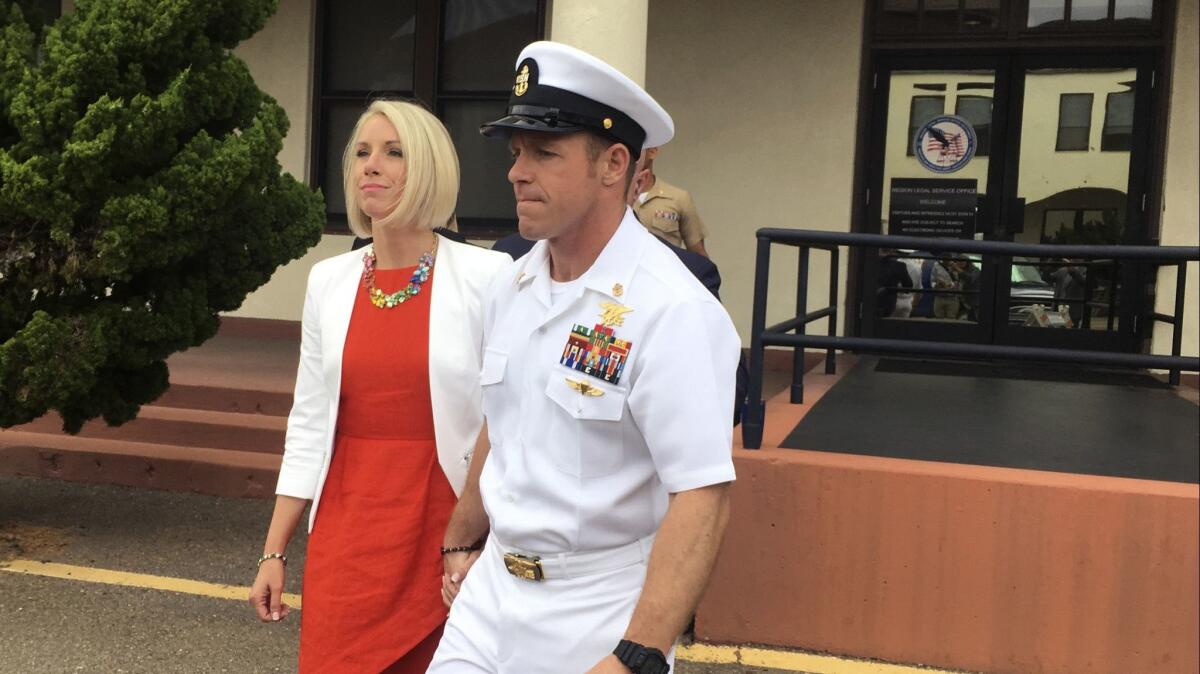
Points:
(616, 160)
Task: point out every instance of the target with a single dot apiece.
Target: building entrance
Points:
(1008, 147)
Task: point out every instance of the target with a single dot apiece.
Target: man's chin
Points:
(531, 231)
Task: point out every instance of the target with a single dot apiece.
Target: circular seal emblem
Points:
(945, 144)
(522, 83)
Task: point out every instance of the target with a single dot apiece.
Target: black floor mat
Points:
(1029, 372)
(1095, 429)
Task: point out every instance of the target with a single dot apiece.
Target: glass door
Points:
(1079, 135)
(937, 130)
(1012, 147)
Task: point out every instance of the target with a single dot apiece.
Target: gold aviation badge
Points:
(584, 388)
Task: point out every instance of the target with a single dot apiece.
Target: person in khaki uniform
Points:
(669, 212)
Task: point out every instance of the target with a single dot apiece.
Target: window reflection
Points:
(1074, 122)
(921, 110)
(1089, 10)
(1042, 12)
(1118, 122)
(356, 51)
(978, 111)
(1134, 9)
(481, 41)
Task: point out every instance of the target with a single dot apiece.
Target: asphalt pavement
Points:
(63, 625)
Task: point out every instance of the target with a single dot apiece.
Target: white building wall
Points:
(613, 30)
(1181, 191)
(764, 96)
(282, 59)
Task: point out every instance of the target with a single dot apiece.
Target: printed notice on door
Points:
(933, 207)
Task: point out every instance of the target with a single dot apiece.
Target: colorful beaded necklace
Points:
(389, 300)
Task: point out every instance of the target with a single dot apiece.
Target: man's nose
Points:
(518, 172)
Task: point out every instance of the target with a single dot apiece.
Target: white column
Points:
(611, 30)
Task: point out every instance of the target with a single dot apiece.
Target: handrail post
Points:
(1085, 313)
(1177, 329)
(1112, 294)
(752, 417)
(801, 312)
(831, 353)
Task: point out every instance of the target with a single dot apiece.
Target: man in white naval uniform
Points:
(608, 376)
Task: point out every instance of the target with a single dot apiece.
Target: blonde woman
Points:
(387, 407)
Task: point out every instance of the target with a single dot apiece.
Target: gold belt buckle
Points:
(529, 568)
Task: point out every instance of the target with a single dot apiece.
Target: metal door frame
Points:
(997, 207)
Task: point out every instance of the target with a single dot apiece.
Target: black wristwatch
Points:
(641, 659)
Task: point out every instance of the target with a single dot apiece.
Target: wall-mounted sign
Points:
(933, 207)
(945, 144)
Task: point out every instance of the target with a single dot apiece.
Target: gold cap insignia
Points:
(618, 290)
(522, 84)
(584, 388)
(607, 123)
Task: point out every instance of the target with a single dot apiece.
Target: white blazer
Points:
(462, 274)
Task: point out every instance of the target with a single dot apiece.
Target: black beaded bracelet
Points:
(477, 545)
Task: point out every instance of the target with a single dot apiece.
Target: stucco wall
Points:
(614, 30)
(1181, 196)
(764, 97)
(281, 58)
(966, 567)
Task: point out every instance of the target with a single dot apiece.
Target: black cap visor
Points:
(503, 127)
(545, 109)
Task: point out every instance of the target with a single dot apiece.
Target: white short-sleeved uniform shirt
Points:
(603, 399)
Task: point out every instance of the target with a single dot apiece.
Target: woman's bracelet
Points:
(273, 555)
(477, 545)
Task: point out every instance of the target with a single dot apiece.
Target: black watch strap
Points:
(641, 659)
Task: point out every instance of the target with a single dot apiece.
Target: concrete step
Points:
(219, 429)
(181, 427)
(225, 399)
(220, 472)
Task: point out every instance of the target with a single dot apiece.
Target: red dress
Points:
(372, 580)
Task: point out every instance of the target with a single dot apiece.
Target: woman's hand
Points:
(266, 595)
(456, 566)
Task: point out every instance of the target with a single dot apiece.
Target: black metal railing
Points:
(762, 336)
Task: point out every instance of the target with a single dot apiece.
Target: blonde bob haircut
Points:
(431, 187)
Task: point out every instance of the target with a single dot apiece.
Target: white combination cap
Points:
(560, 89)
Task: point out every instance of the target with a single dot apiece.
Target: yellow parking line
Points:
(699, 653)
(791, 661)
(144, 580)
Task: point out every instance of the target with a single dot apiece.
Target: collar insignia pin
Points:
(618, 290)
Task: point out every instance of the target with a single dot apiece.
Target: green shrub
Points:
(140, 195)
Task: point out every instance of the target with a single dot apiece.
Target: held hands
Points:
(266, 595)
(455, 565)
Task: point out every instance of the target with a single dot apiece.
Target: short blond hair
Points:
(431, 187)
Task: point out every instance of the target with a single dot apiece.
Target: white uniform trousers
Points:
(501, 624)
